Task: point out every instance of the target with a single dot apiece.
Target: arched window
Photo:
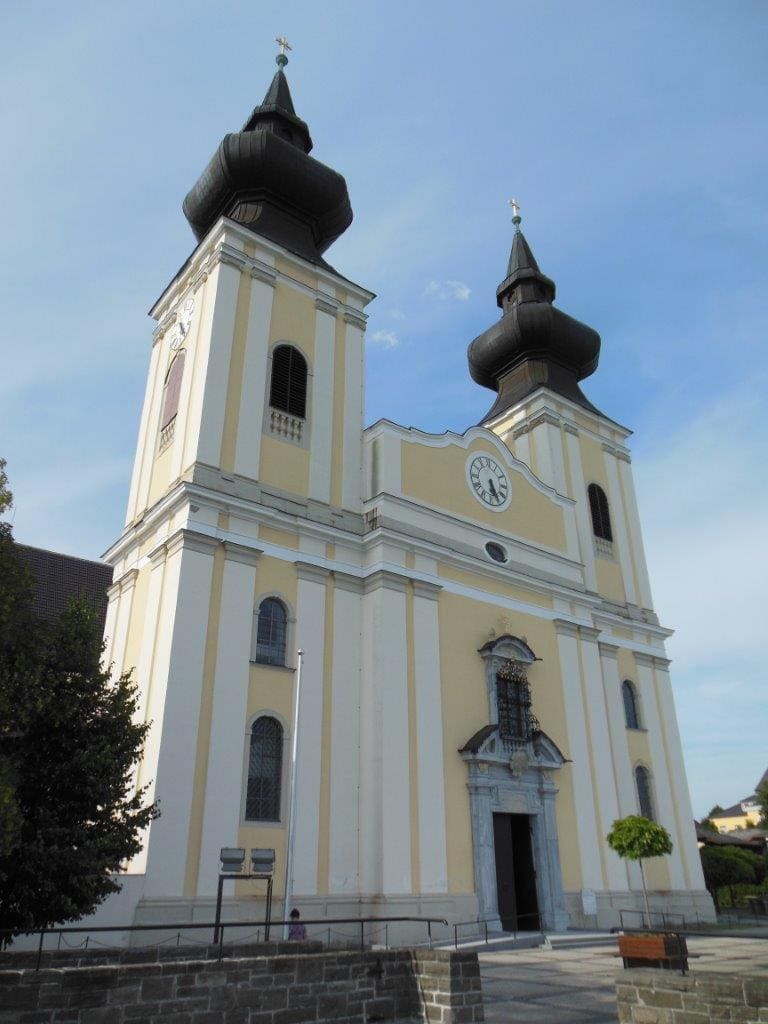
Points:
(598, 506)
(265, 769)
(629, 695)
(288, 387)
(643, 784)
(271, 621)
(172, 390)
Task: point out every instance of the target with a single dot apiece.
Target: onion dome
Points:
(533, 345)
(263, 178)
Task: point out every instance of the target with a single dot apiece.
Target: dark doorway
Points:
(515, 873)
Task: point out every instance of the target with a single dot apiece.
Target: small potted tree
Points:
(638, 838)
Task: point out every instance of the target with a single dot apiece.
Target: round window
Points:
(496, 552)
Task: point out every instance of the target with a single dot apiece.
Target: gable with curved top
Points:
(433, 473)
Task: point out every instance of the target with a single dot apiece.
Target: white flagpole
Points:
(288, 889)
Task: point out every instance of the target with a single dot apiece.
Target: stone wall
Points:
(437, 986)
(665, 997)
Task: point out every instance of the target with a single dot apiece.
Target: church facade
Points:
(484, 684)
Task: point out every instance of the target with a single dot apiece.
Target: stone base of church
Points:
(619, 908)
(453, 907)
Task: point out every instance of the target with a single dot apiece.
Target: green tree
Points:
(637, 838)
(717, 809)
(727, 866)
(709, 825)
(69, 813)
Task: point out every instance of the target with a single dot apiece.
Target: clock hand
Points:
(492, 489)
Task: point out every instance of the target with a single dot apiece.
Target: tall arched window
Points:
(629, 694)
(288, 387)
(171, 393)
(271, 622)
(265, 769)
(598, 506)
(643, 784)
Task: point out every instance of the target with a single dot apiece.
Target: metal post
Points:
(219, 893)
(40, 950)
(221, 942)
(386, 936)
(269, 909)
(455, 936)
(362, 935)
(486, 933)
(429, 933)
(288, 888)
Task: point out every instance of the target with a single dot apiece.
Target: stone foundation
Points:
(434, 986)
(695, 906)
(664, 997)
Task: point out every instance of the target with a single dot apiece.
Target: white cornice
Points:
(565, 411)
(215, 239)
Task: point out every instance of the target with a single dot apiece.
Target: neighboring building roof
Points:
(59, 577)
(736, 811)
(709, 838)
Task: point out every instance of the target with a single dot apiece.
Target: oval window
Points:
(496, 552)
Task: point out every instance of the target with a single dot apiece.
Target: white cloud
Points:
(702, 503)
(385, 339)
(397, 314)
(448, 290)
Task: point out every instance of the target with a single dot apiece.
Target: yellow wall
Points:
(436, 476)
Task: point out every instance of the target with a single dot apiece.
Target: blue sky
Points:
(634, 136)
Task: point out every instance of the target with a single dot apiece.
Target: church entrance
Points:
(515, 874)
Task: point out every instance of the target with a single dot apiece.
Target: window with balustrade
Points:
(171, 395)
(601, 519)
(270, 632)
(288, 394)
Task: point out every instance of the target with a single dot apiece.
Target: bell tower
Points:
(535, 357)
(252, 422)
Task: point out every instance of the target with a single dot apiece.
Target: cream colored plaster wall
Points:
(436, 476)
(283, 538)
(609, 577)
(136, 623)
(284, 465)
(297, 273)
(492, 586)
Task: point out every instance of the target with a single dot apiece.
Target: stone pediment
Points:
(541, 754)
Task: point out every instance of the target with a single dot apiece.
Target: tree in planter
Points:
(69, 814)
(638, 838)
(727, 866)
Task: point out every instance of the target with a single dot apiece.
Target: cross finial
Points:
(516, 218)
(281, 60)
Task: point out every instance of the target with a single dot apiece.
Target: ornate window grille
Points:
(265, 768)
(270, 632)
(513, 694)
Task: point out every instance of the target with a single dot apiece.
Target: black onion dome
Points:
(534, 344)
(263, 178)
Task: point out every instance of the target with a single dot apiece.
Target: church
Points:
(484, 683)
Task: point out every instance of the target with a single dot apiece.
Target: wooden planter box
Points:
(669, 952)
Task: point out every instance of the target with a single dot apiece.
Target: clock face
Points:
(489, 482)
(183, 319)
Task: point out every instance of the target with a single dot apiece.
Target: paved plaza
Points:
(578, 985)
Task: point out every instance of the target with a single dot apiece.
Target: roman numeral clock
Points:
(488, 481)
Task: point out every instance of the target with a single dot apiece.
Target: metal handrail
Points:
(485, 920)
(222, 925)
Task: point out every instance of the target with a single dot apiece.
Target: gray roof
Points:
(59, 577)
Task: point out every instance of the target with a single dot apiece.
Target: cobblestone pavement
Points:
(578, 986)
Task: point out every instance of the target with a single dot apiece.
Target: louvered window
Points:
(265, 768)
(598, 506)
(643, 783)
(288, 387)
(271, 622)
(513, 695)
(629, 695)
(172, 390)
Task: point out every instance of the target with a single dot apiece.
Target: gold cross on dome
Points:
(283, 43)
